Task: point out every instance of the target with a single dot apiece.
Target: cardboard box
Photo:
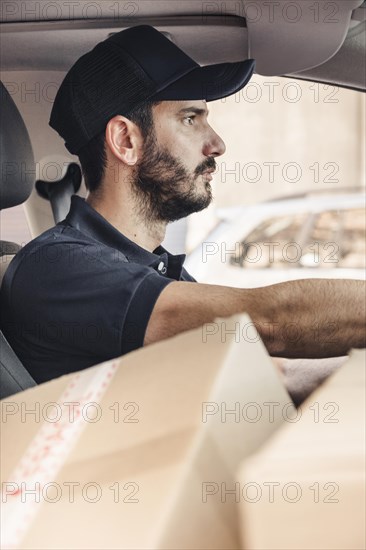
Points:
(310, 476)
(152, 437)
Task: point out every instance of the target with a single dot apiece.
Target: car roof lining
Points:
(226, 38)
(210, 36)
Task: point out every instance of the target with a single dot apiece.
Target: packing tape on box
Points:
(48, 451)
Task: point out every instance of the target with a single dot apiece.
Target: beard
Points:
(165, 190)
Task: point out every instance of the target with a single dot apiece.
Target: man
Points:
(99, 284)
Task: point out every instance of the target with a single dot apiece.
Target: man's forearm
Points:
(309, 318)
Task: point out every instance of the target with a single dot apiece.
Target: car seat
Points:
(16, 183)
(59, 193)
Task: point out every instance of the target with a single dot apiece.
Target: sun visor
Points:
(287, 37)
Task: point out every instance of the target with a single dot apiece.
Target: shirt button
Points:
(162, 268)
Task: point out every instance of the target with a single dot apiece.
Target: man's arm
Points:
(309, 318)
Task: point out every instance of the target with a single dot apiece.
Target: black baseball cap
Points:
(129, 68)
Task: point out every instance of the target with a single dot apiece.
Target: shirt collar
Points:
(87, 220)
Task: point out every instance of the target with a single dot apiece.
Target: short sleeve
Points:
(70, 305)
(140, 309)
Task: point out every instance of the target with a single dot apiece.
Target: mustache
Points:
(207, 164)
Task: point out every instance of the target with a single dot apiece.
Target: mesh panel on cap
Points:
(112, 83)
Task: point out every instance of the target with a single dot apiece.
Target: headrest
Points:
(18, 172)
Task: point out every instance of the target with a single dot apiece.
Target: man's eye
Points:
(189, 120)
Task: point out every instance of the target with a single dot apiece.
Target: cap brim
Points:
(210, 82)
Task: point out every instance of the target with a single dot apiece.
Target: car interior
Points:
(40, 41)
(317, 42)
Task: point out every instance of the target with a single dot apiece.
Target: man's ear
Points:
(124, 139)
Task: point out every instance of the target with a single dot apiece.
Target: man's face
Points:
(174, 173)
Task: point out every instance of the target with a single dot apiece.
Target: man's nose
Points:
(214, 146)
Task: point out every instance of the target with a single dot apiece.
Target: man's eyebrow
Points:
(195, 110)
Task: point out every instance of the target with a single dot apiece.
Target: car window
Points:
(14, 226)
(330, 239)
(295, 152)
(284, 138)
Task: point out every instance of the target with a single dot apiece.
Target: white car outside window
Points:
(282, 240)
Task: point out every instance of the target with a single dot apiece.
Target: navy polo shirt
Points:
(82, 293)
